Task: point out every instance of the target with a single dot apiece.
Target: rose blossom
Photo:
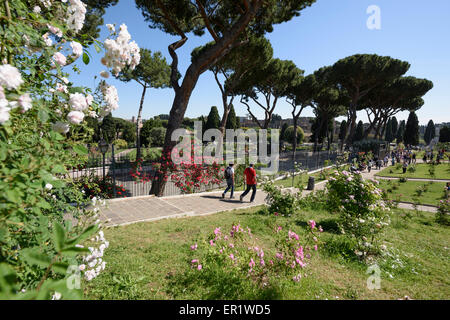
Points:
(78, 101)
(77, 48)
(59, 58)
(25, 101)
(75, 117)
(10, 77)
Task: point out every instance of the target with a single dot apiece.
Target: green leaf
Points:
(3, 153)
(97, 48)
(44, 204)
(58, 168)
(33, 257)
(86, 59)
(83, 236)
(72, 251)
(60, 267)
(13, 195)
(76, 89)
(59, 236)
(80, 149)
(43, 115)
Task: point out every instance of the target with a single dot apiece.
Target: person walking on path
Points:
(229, 176)
(250, 175)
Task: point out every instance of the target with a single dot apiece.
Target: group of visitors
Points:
(250, 178)
(369, 162)
(403, 156)
(428, 157)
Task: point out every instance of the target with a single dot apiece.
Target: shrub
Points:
(314, 201)
(120, 144)
(156, 137)
(233, 263)
(443, 212)
(42, 134)
(362, 212)
(289, 135)
(283, 203)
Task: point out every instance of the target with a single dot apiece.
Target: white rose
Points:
(75, 117)
(10, 77)
(4, 113)
(25, 102)
(89, 99)
(59, 58)
(77, 48)
(78, 102)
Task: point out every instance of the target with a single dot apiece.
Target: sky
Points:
(329, 30)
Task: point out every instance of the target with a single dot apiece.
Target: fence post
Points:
(113, 164)
(317, 161)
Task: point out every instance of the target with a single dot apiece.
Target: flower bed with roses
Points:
(237, 255)
(362, 212)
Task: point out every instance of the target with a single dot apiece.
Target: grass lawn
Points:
(287, 183)
(151, 260)
(442, 171)
(406, 191)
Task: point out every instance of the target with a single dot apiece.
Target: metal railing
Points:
(117, 168)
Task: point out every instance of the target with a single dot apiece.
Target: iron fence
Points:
(115, 170)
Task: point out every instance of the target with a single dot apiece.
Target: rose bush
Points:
(45, 225)
(239, 254)
(362, 212)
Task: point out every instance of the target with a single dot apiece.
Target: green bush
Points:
(279, 202)
(289, 135)
(362, 212)
(120, 144)
(443, 212)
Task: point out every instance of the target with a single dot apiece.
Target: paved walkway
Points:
(151, 208)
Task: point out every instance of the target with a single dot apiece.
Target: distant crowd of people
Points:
(429, 156)
(405, 157)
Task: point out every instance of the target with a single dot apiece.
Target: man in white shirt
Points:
(229, 176)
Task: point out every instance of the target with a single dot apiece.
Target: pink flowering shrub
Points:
(362, 212)
(237, 253)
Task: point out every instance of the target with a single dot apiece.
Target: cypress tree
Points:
(342, 130)
(394, 126)
(359, 133)
(400, 131)
(411, 135)
(430, 132)
(388, 136)
(213, 120)
(444, 134)
(232, 119)
(283, 131)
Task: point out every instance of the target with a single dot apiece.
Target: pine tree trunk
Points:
(138, 128)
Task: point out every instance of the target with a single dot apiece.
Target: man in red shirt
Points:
(250, 175)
